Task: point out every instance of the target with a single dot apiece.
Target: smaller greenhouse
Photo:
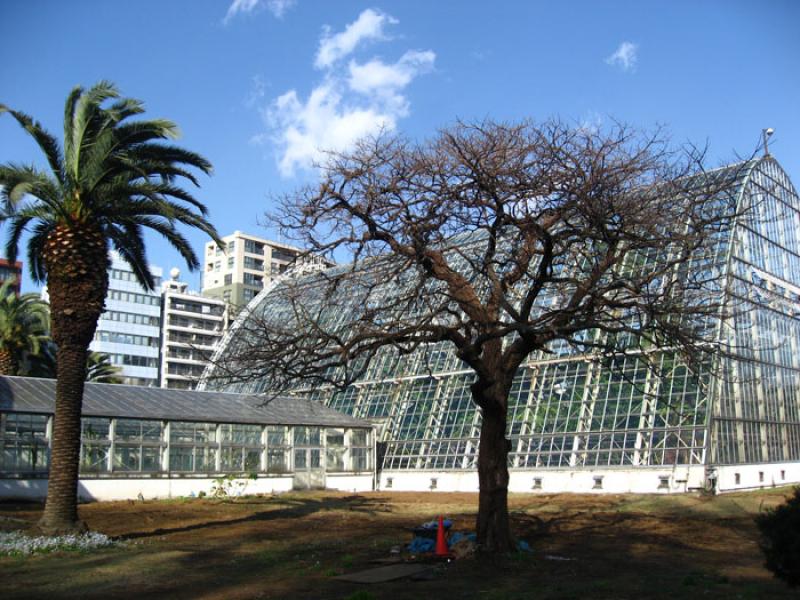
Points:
(160, 443)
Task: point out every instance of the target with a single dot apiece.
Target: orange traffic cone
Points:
(441, 544)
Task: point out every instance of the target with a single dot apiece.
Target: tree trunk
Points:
(8, 363)
(493, 528)
(77, 277)
(61, 509)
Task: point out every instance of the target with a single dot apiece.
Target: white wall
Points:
(756, 476)
(165, 487)
(641, 480)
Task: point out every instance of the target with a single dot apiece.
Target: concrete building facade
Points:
(238, 273)
(129, 328)
(191, 326)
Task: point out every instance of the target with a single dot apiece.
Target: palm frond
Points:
(46, 142)
(17, 181)
(36, 244)
(128, 240)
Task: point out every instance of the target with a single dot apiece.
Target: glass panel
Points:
(151, 458)
(252, 461)
(358, 457)
(334, 459)
(314, 436)
(276, 461)
(276, 436)
(358, 437)
(231, 459)
(299, 460)
(94, 458)
(126, 458)
(300, 436)
(180, 458)
(94, 428)
(334, 438)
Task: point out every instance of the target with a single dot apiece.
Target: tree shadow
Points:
(298, 508)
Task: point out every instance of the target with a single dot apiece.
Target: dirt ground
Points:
(293, 546)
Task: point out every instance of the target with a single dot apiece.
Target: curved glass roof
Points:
(566, 409)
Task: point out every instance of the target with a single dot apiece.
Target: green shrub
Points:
(780, 530)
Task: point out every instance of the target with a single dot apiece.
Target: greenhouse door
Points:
(308, 471)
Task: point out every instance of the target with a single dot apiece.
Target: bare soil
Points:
(293, 545)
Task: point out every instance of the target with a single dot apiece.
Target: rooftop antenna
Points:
(767, 133)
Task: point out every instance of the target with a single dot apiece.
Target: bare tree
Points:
(501, 240)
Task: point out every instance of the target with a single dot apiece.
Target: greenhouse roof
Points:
(37, 395)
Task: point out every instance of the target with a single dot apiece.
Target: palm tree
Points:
(114, 178)
(100, 370)
(23, 327)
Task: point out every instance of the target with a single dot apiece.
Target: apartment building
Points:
(129, 328)
(191, 326)
(247, 264)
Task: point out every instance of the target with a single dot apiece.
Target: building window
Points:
(132, 360)
(253, 263)
(240, 448)
(334, 450)
(23, 439)
(134, 318)
(193, 447)
(253, 247)
(137, 445)
(598, 482)
(254, 280)
(95, 444)
(359, 450)
(307, 448)
(277, 450)
(228, 279)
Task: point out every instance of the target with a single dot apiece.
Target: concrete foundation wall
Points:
(639, 480)
(759, 476)
(152, 488)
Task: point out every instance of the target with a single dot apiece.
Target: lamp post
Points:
(767, 133)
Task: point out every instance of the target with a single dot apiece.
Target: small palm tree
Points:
(100, 370)
(23, 327)
(114, 178)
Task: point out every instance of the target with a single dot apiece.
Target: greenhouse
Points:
(578, 423)
(139, 442)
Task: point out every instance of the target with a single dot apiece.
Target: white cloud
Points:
(258, 89)
(368, 26)
(277, 7)
(352, 101)
(625, 56)
(377, 76)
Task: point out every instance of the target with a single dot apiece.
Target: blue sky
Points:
(259, 86)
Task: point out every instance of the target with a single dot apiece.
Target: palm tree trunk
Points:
(61, 509)
(8, 363)
(77, 279)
